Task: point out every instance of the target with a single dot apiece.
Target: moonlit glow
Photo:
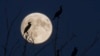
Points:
(40, 30)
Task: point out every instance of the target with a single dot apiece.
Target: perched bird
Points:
(58, 13)
(74, 53)
(27, 27)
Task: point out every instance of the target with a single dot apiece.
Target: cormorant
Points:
(58, 13)
(27, 27)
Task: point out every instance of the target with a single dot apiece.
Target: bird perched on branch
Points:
(27, 27)
(58, 13)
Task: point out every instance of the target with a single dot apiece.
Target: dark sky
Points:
(79, 20)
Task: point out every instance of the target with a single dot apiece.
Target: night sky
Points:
(79, 27)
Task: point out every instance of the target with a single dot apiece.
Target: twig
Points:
(42, 48)
(13, 48)
(56, 38)
(88, 48)
(25, 44)
(66, 43)
(9, 30)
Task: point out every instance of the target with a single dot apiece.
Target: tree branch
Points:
(9, 28)
(88, 48)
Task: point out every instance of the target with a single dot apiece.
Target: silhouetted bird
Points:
(26, 31)
(74, 53)
(58, 13)
(27, 27)
(58, 51)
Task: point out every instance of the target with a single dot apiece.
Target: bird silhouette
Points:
(58, 13)
(27, 27)
(74, 53)
(26, 31)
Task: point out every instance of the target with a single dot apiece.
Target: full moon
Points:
(36, 28)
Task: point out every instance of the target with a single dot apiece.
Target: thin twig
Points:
(9, 30)
(67, 42)
(25, 44)
(13, 48)
(88, 48)
(42, 48)
(56, 37)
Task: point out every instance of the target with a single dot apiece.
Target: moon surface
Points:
(40, 28)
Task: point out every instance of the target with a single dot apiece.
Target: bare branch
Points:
(67, 42)
(9, 29)
(88, 48)
(13, 48)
